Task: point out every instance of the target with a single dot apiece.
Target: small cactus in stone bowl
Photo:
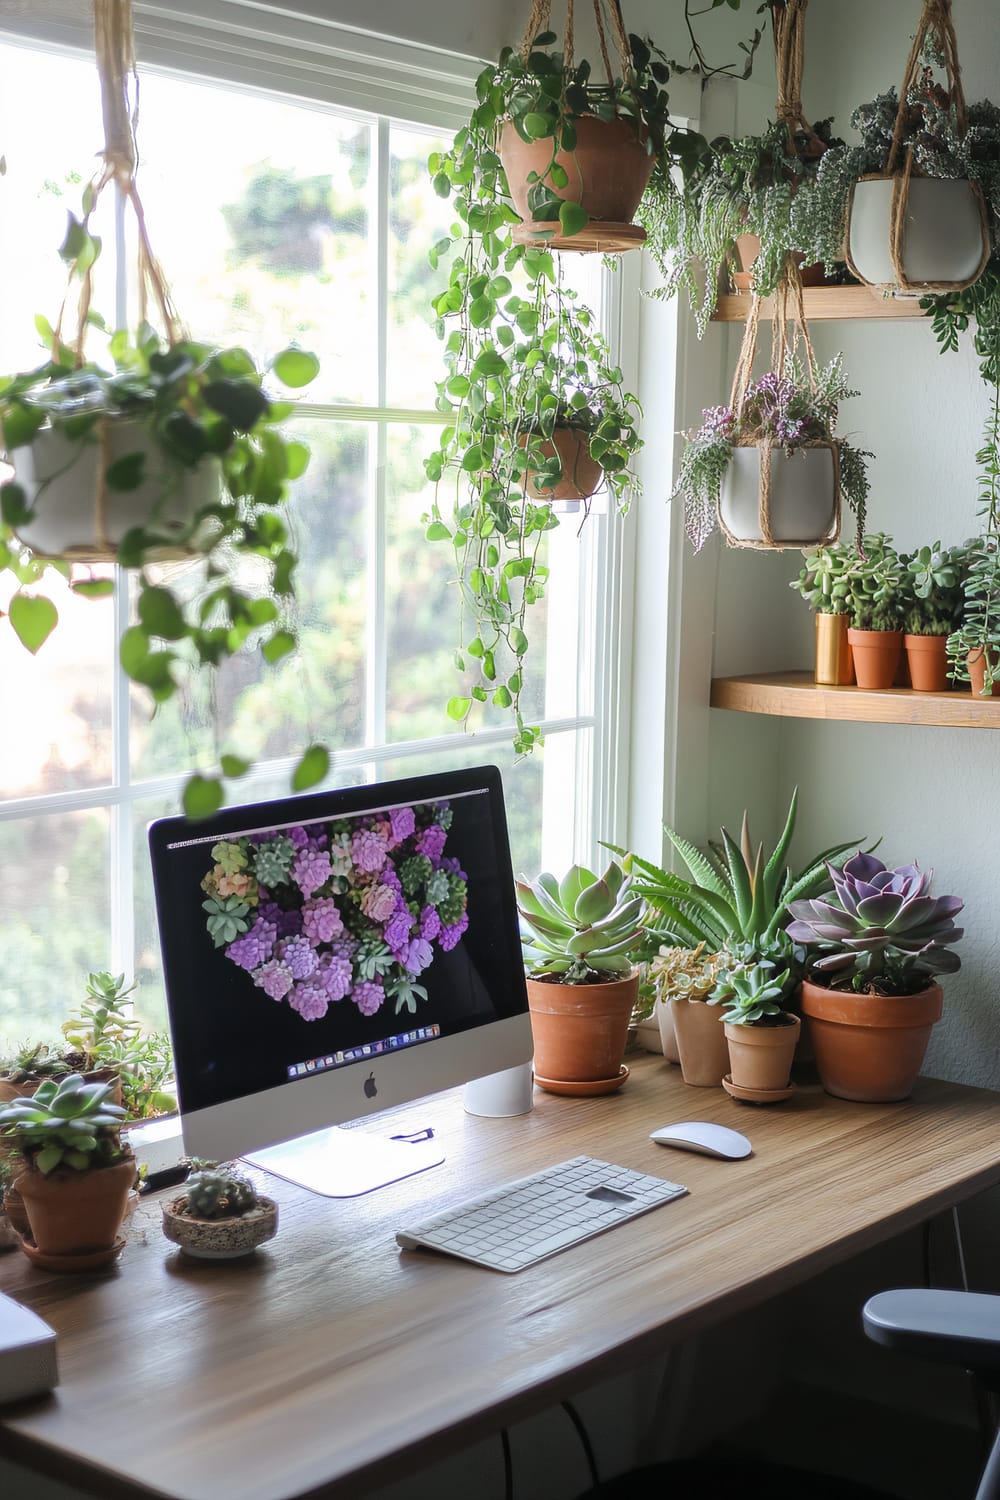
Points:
(219, 1216)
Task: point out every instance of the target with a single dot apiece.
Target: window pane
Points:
(264, 237)
(417, 219)
(54, 919)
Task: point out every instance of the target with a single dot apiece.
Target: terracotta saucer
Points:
(756, 1096)
(586, 1088)
(90, 1260)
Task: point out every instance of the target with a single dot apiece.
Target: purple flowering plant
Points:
(788, 410)
(350, 910)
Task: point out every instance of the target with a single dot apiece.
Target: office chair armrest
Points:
(955, 1328)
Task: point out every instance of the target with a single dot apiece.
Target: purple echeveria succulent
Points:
(881, 930)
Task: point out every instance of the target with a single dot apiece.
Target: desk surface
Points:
(331, 1356)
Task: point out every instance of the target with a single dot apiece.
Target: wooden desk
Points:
(332, 1357)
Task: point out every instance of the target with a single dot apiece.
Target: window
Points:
(278, 217)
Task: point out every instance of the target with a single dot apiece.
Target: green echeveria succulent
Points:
(217, 1194)
(581, 928)
(228, 916)
(65, 1123)
(750, 993)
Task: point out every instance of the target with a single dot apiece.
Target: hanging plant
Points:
(167, 447)
(769, 469)
(914, 200)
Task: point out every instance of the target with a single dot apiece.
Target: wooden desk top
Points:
(333, 1356)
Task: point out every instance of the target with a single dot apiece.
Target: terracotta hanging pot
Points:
(760, 1057)
(834, 657)
(581, 474)
(77, 1213)
(607, 175)
(927, 656)
(794, 496)
(870, 1047)
(876, 657)
(701, 1042)
(944, 241)
(747, 250)
(976, 663)
(580, 1030)
(61, 480)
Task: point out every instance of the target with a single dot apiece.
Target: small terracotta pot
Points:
(876, 657)
(870, 1047)
(580, 1030)
(701, 1042)
(747, 250)
(608, 171)
(834, 657)
(928, 659)
(976, 663)
(76, 1213)
(581, 474)
(760, 1057)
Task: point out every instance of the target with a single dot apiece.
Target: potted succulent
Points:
(824, 583)
(932, 609)
(768, 470)
(582, 938)
(72, 1171)
(674, 974)
(219, 1215)
(874, 949)
(876, 614)
(761, 1035)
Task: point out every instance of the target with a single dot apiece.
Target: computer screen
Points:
(331, 955)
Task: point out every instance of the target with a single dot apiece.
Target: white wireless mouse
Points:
(703, 1136)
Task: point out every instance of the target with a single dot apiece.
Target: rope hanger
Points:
(607, 15)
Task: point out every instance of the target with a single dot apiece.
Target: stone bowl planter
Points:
(220, 1239)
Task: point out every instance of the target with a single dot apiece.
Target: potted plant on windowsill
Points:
(874, 949)
(219, 1216)
(582, 939)
(824, 583)
(788, 422)
(72, 1171)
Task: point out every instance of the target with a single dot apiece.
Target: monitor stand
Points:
(347, 1163)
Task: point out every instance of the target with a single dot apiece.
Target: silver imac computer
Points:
(331, 955)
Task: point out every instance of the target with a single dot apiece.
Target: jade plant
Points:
(583, 929)
(880, 931)
(67, 1123)
(824, 581)
(932, 588)
(877, 585)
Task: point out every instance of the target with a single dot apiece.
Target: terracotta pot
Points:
(976, 663)
(760, 1057)
(927, 656)
(63, 476)
(76, 1213)
(580, 1030)
(608, 171)
(870, 1047)
(876, 656)
(834, 657)
(701, 1042)
(747, 250)
(9, 1091)
(945, 241)
(802, 505)
(581, 474)
(220, 1239)
(668, 1035)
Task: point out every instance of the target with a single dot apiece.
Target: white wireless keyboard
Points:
(526, 1221)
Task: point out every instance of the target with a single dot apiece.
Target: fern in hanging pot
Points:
(164, 447)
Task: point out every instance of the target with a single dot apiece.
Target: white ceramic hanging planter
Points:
(944, 241)
(60, 479)
(801, 507)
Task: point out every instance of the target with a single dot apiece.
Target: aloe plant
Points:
(581, 929)
(734, 894)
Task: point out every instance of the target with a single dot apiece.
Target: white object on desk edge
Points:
(705, 1137)
(28, 1364)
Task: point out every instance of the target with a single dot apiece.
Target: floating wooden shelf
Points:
(795, 695)
(824, 302)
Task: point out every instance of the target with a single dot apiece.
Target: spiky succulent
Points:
(581, 928)
(881, 931)
(217, 1194)
(65, 1123)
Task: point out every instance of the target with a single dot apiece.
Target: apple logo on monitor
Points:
(371, 1087)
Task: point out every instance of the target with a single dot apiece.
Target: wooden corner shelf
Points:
(795, 695)
(823, 303)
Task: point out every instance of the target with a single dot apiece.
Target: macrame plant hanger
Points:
(116, 68)
(789, 24)
(935, 24)
(789, 331)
